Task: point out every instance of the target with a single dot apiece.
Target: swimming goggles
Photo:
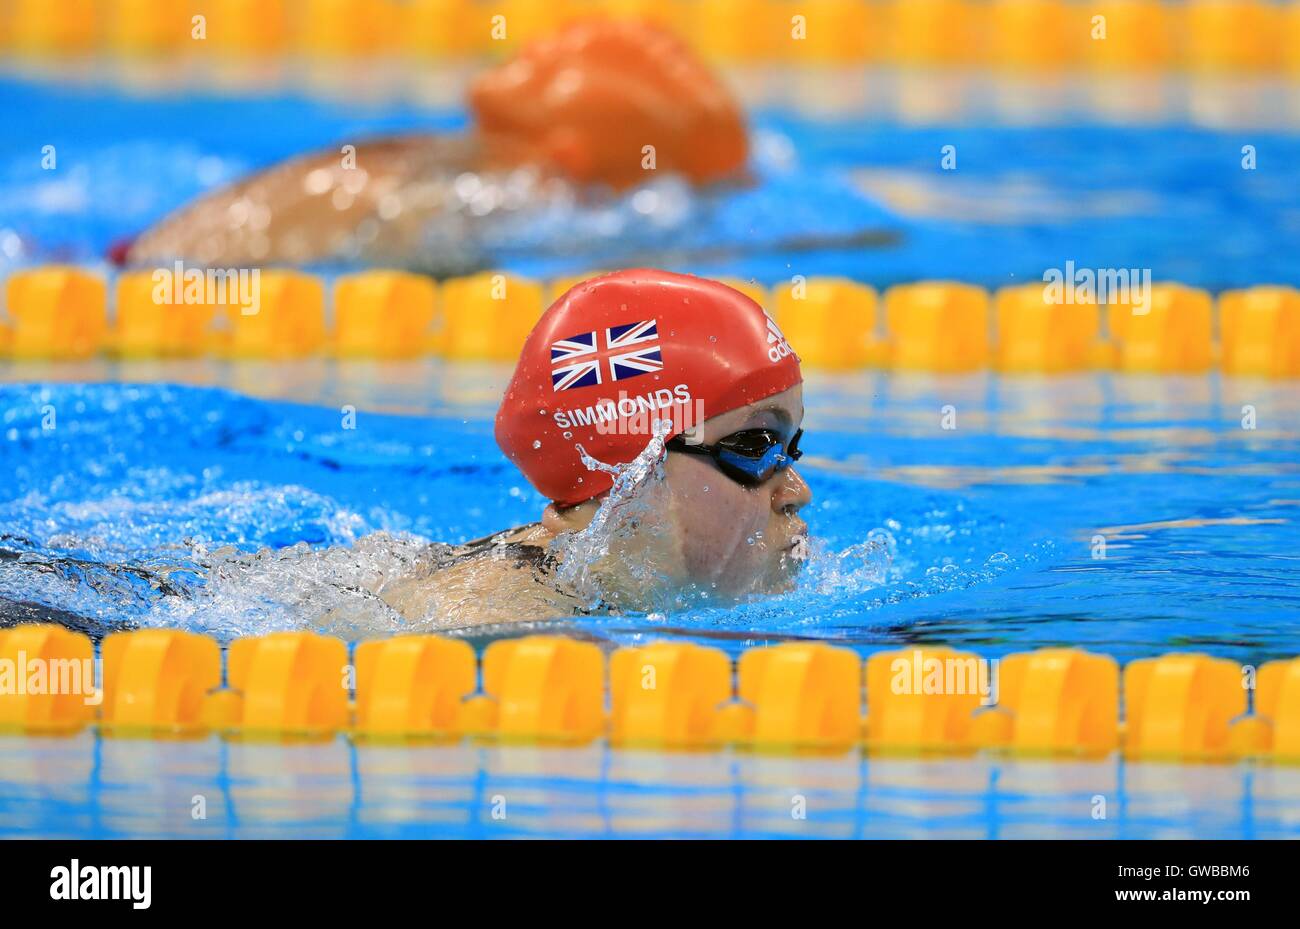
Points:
(749, 457)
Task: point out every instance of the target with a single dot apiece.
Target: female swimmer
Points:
(612, 355)
(682, 385)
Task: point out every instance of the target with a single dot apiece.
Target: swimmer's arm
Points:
(315, 207)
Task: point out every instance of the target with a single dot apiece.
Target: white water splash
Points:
(860, 567)
(587, 554)
(187, 564)
(333, 589)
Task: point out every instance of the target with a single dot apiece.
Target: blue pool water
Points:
(118, 474)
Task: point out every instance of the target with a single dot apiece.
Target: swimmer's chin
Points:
(790, 564)
(786, 577)
(781, 578)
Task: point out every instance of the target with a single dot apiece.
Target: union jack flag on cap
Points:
(604, 356)
(704, 343)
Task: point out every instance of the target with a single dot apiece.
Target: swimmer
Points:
(612, 354)
(684, 378)
(575, 117)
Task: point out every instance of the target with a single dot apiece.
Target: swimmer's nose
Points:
(791, 493)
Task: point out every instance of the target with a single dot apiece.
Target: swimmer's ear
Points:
(556, 520)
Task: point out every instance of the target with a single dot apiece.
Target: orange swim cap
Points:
(599, 95)
(617, 353)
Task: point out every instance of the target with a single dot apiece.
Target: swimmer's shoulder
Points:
(526, 546)
(505, 577)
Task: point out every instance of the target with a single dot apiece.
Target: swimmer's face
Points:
(730, 539)
(703, 531)
(612, 102)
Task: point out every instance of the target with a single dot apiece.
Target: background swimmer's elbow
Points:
(337, 203)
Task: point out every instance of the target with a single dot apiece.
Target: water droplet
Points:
(713, 338)
(568, 435)
(537, 443)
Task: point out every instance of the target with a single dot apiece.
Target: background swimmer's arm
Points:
(325, 206)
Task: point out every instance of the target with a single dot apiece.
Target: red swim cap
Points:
(617, 353)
